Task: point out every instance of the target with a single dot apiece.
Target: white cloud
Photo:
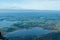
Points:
(42, 5)
(32, 4)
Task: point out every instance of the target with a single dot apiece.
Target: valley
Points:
(31, 24)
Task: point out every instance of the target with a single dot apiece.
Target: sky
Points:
(30, 4)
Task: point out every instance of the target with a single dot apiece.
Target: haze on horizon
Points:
(30, 4)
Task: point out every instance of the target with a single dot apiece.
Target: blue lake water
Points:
(24, 32)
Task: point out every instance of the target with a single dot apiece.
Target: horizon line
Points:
(25, 10)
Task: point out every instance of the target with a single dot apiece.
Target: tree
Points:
(1, 37)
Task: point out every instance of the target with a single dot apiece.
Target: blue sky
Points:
(30, 4)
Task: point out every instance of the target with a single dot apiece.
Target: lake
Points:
(25, 32)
